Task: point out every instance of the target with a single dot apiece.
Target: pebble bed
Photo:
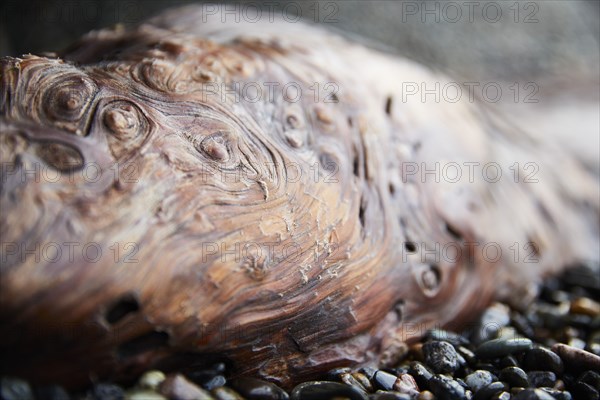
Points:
(548, 349)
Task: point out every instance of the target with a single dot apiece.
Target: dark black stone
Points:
(421, 373)
(441, 356)
(579, 321)
(319, 390)
(497, 348)
(255, 389)
(106, 391)
(558, 394)
(442, 335)
(508, 361)
(488, 391)
(591, 378)
(53, 392)
(543, 359)
(501, 396)
(369, 372)
(15, 389)
(532, 394)
(214, 382)
(348, 379)
(492, 320)
(479, 379)
(384, 380)
(582, 390)
(541, 378)
(467, 354)
(523, 325)
(205, 374)
(446, 388)
(486, 366)
(335, 374)
(514, 376)
(381, 395)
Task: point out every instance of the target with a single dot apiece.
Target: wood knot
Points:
(294, 138)
(429, 279)
(67, 100)
(127, 125)
(122, 120)
(214, 146)
(61, 157)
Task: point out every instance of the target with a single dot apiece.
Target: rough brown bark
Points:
(272, 233)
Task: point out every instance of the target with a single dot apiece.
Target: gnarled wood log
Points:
(185, 191)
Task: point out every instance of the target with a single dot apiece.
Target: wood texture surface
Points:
(155, 212)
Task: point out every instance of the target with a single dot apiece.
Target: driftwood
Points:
(188, 191)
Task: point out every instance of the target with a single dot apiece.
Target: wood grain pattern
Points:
(150, 218)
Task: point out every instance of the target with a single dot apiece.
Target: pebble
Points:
(522, 324)
(214, 382)
(576, 343)
(490, 390)
(591, 378)
(151, 379)
(501, 396)
(421, 373)
(200, 376)
(579, 321)
(494, 318)
(446, 336)
(577, 357)
(255, 389)
(485, 366)
(584, 275)
(585, 306)
(177, 386)
(479, 379)
(337, 372)
(508, 361)
(225, 393)
(541, 358)
(441, 356)
(53, 392)
(558, 394)
(369, 372)
(502, 347)
(15, 389)
(143, 394)
(381, 395)
(363, 380)
(532, 394)
(384, 380)
(406, 384)
(106, 391)
(318, 390)
(582, 390)
(594, 348)
(514, 376)
(425, 395)
(541, 378)
(348, 379)
(445, 388)
(467, 354)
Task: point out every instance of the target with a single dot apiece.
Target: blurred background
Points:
(548, 39)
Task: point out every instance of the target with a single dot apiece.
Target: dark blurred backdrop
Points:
(532, 40)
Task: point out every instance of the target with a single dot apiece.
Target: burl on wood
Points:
(186, 191)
